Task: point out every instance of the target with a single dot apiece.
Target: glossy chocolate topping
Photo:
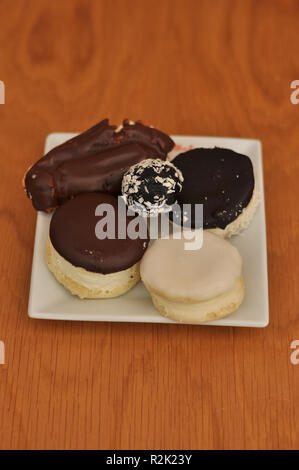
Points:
(100, 156)
(73, 235)
(220, 179)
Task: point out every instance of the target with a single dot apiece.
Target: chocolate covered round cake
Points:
(223, 181)
(151, 186)
(89, 266)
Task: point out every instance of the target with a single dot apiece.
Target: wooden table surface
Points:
(220, 68)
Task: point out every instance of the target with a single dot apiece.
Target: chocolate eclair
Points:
(93, 161)
(223, 181)
(89, 265)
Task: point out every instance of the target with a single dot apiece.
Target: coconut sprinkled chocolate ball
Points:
(151, 186)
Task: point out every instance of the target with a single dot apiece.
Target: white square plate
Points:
(49, 300)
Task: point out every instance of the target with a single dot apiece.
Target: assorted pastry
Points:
(223, 181)
(129, 167)
(152, 186)
(193, 286)
(93, 161)
(86, 265)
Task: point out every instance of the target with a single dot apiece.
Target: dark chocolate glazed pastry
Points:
(93, 161)
(220, 179)
(73, 235)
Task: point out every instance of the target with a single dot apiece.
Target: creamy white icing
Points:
(191, 276)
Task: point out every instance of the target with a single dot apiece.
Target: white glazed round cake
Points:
(193, 286)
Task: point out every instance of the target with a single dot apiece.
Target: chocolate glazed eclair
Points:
(92, 161)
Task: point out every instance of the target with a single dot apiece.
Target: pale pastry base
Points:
(86, 284)
(203, 311)
(242, 221)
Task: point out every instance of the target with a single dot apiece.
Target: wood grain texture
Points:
(219, 68)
